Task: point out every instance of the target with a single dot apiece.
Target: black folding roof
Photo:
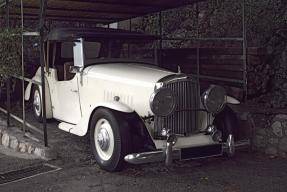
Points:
(97, 11)
(62, 34)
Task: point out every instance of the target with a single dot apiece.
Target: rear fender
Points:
(29, 90)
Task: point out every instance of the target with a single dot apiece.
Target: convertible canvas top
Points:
(96, 11)
(62, 34)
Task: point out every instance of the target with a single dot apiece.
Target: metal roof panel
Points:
(98, 11)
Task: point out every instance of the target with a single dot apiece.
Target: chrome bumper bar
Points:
(168, 154)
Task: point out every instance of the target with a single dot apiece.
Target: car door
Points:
(64, 88)
(67, 105)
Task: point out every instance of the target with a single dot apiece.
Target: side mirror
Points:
(75, 69)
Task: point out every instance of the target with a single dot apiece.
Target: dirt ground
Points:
(246, 172)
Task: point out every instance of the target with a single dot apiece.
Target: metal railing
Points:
(8, 110)
(43, 4)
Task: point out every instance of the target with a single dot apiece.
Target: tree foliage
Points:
(10, 53)
(222, 18)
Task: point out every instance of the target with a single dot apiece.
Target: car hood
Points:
(146, 75)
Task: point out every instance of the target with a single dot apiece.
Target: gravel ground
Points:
(246, 172)
(9, 160)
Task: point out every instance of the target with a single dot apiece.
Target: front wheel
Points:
(227, 122)
(109, 137)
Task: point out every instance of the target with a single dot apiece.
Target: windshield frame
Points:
(154, 50)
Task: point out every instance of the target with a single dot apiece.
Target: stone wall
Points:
(270, 134)
(13, 138)
(279, 87)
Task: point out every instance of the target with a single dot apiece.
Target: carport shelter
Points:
(99, 12)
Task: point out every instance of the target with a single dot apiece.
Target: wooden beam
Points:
(68, 17)
(80, 10)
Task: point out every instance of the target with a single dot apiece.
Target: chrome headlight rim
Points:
(172, 104)
(206, 98)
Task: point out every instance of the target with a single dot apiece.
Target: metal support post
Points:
(160, 42)
(8, 104)
(197, 43)
(197, 55)
(129, 46)
(7, 14)
(130, 24)
(41, 27)
(23, 68)
(244, 47)
(8, 91)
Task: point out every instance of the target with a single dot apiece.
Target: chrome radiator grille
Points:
(184, 120)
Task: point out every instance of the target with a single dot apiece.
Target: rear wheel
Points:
(110, 139)
(37, 104)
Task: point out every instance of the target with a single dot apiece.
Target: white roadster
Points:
(104, 82)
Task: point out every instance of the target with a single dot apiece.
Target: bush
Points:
(10, 53)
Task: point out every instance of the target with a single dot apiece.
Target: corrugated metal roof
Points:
(97, 11)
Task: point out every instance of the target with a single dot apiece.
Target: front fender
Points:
(82, 128)
(116, 105)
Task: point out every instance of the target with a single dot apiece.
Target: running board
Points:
(66, 126)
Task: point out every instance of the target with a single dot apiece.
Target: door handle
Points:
(74, 90)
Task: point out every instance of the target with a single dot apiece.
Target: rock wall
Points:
(270, 134)
(279, 99)
(14, 139)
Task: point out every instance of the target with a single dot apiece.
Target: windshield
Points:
(120, 50)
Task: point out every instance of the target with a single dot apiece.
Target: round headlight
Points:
(214, 99)
(162, 102)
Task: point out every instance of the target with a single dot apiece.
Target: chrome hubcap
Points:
(37, 103)
(104, 139)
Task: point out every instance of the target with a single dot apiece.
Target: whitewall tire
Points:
(109, 139)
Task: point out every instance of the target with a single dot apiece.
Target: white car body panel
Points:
(132, 83)
(74, 101)
(65, 98)
(101, 83)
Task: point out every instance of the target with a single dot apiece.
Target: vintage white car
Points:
(105, 82)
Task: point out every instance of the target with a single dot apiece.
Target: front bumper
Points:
(168, 154)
